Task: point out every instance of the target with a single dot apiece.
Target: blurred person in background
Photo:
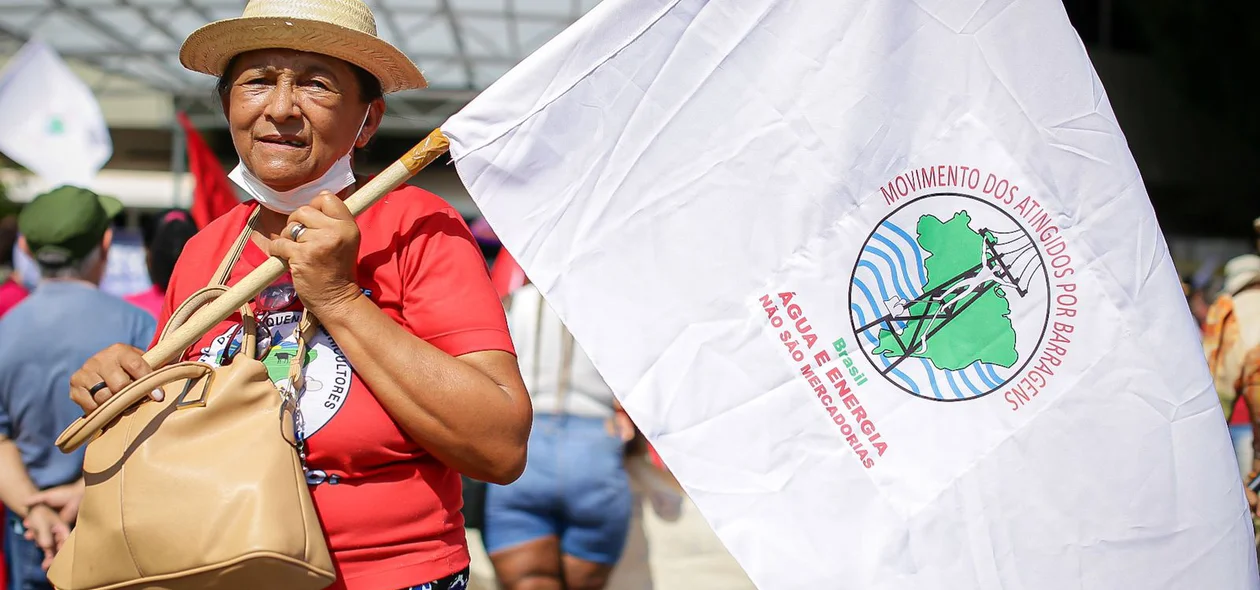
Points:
(1232, 345)
(11, 289)
(164, 240)
(1231, 342)
(43, 340)
(1238, 416)
(564, 523)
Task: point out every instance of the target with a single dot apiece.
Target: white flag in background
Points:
(50, 122)
(880, 280)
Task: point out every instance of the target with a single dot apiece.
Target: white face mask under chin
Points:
(339, 176)
(336, 179)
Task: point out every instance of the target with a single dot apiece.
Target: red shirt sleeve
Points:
(448, 299)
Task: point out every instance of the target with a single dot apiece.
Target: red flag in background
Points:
(213, 194)
(506, 274)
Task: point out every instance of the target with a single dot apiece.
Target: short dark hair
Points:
(170, 232)
(369, 86)
(8, 236)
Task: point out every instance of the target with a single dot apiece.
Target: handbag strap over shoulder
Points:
(217, 286)
(233, 255)
(249, 324)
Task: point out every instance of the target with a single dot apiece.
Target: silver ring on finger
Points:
(297, 231)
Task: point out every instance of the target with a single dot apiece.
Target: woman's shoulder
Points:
(411, 219)
(408, 203)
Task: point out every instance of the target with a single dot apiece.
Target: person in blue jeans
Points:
(564, 523)
(44, 339)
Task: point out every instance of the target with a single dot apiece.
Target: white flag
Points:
(881, 282)
(50, 122)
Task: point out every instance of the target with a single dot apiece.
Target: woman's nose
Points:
(282, 104)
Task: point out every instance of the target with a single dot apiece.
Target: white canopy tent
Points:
(130, 47)
(127, 52)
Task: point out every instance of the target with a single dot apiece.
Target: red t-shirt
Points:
(150, 300)
(390, 510)
(11, 294)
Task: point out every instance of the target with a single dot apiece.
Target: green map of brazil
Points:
(954, 328)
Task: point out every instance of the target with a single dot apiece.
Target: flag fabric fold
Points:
(881, 283)
(213, 192)
(50, 122)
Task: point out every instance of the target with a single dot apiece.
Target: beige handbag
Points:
(204, 489)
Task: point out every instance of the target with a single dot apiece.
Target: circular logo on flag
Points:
(950, 297)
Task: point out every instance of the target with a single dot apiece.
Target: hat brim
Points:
(209, 49)
(111, 206)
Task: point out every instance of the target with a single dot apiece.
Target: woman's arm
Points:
(472, 412)
(43, 525)
(16, 486)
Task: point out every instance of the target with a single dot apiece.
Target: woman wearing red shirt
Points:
(411, 379)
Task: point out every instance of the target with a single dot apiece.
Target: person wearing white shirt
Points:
(564, 523)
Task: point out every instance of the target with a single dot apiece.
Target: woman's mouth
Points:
(291, 142)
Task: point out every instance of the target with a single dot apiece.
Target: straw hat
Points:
(344, 29)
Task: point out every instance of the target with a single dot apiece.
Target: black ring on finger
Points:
(97, 387)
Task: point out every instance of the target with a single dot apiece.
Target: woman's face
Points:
(293, 114)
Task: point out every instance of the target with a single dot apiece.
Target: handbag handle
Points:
(249, 323)
(190, 305)
(83, 429)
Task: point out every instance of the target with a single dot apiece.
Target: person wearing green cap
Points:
(43, 340)
(67, 231)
